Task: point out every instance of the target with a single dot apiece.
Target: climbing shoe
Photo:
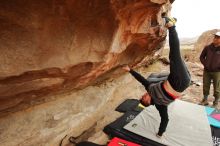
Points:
(170, 20)
(204, 102)
(215, 102)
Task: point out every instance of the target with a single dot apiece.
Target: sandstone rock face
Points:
(54, 46)
(51, 47)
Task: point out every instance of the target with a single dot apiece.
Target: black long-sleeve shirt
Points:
(210, 58)
(161, 108)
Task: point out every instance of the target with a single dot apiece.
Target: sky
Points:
(196, 16)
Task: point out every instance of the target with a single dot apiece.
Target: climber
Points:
(162, 89)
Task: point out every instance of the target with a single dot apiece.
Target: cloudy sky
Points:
(196, 16)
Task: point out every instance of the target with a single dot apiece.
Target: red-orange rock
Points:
(53, 46)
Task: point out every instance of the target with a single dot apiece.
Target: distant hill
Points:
(186, 41)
